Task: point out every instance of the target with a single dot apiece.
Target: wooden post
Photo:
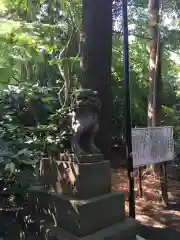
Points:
(163, 182)
(140, 182)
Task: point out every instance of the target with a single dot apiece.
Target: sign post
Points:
(128, 127)
(153, 145)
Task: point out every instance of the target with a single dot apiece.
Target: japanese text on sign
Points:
(152, 145)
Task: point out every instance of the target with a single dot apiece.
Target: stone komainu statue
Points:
(84, 121)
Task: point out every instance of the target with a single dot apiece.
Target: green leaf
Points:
(10, 167)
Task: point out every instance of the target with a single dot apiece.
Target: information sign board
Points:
(152, 145)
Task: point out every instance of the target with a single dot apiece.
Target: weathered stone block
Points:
(82, 180)
(125, 230)
(79, 217)
(83, 158)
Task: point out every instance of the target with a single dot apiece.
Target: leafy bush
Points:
(31, 125)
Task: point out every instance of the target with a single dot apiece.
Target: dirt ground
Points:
(150, 210)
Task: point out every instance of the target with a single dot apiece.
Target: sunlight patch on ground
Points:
(150, 209)
(149, 221)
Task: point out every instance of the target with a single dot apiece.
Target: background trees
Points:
(39, 66)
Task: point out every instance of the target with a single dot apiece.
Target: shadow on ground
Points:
(152, 233)
(157, 221)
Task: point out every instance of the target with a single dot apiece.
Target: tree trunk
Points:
(158, 87)
(155, 85)
(154, 76)
(154, 36)
(96, 62)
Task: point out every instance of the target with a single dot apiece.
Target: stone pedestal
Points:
(77, 178)
(76, 196)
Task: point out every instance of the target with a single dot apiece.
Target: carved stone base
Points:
(79, 217)
(83, 158)
(78, 199)
(125, 230)
(81, 180)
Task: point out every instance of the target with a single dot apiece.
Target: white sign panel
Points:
(152, 145)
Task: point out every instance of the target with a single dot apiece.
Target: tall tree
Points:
(154, 6)
(96, 61)
(155, 82)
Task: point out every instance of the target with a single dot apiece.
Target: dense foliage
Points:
(40, 54)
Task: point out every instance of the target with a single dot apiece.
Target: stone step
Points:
(34, 237)
(125, 230)
(80, 217)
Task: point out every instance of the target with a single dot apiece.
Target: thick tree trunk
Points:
(158, 87)
(153, 33)
(154, 79)
(155, 85)
(96, 62)
(153, 7)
